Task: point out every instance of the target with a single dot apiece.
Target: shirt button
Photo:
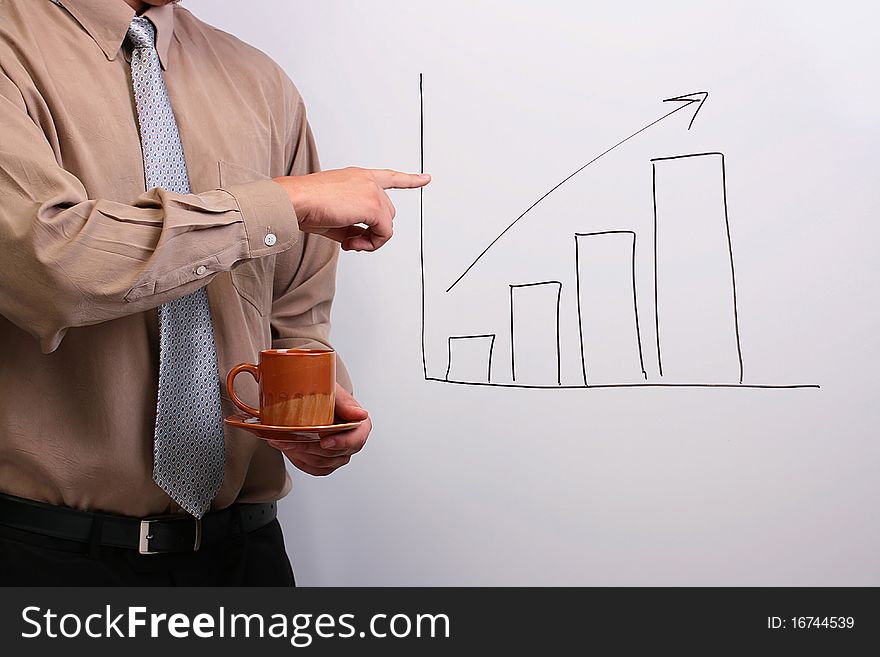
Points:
(270, 239)
(200, 270)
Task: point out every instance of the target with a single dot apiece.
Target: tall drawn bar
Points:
(607, 305)
(534, 333)
(694, 280)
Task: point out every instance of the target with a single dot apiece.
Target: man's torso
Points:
(76, 424)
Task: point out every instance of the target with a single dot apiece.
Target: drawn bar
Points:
(607, 305)
(470, 358)
(535, 355)
(694, 280)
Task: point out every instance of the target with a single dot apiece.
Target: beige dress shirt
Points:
(87, 254)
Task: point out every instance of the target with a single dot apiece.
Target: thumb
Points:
(347, 407)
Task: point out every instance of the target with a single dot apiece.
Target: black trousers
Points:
(257, 558)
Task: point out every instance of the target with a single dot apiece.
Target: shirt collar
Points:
(107, 23)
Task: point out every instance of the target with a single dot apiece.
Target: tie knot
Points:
(141, 33)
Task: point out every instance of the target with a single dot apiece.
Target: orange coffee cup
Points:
(297, 387)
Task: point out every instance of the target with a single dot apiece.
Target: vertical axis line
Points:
(422, 220)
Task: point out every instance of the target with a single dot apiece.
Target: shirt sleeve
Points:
(69, 260)
(305, 278)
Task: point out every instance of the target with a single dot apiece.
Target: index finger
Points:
(390, 179)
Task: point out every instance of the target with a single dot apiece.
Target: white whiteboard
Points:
(529, 477)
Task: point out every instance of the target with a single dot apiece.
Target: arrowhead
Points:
(698, 97)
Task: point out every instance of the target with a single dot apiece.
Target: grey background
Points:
(463, 485)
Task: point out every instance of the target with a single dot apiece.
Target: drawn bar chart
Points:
(534, 332)
(695, 314)
(470, 358)
(696, 318)
(607, 307)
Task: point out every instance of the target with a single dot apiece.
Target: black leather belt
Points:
(151, 535)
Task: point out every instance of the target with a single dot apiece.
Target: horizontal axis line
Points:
(748, 386)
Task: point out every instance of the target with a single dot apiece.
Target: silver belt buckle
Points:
(146, 533)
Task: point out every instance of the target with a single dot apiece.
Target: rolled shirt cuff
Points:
(269, 218)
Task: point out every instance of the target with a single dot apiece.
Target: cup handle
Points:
(235, 371)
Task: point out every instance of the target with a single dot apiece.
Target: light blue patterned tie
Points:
(188, 454)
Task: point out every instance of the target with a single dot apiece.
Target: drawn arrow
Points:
(698, 97)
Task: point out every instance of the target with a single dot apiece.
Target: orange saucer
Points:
(287, 434)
